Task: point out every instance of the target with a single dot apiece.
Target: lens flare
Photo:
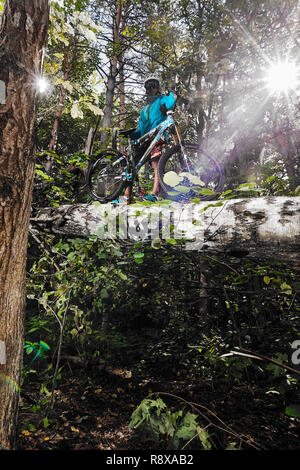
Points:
(8, 380)
(41, 84)
(44, 345)
(282, 77)
(4, 446)
(40, 352)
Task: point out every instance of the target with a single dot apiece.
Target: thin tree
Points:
(113, 72)
(59, 111)
(23, 35)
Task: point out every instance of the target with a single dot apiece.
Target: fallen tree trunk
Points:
(266, 227)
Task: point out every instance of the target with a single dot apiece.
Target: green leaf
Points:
(31, 427)
(192, 178)
(293, 410)
(122, 275)
(43, 175)
(104, 294)
(277, 371)
(182, 189)
(231, 446)
(247, 187)
(218, 204)
(267, 280)
(188, 427)
(142, 414)
(66, 84)
(97, 111)
(45, 422)
(138, 257)
(196, 200)
(207, 192)
(171, 241)
(285, 288)
(59, 55)
(229, 191)
(204, 438)
(297, 191)
(76, 111)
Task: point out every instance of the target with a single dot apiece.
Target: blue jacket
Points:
(151, 115)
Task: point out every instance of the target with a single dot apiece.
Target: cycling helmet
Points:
(151, 82)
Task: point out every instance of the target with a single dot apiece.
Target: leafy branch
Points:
(152, 416)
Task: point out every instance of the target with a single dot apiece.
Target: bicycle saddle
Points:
(126, 132)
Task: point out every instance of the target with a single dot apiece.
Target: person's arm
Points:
(169, 100)
(135, 134)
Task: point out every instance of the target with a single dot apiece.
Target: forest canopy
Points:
(237, 63)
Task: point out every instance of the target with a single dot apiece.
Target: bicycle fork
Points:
(177, 137)
(131, 177)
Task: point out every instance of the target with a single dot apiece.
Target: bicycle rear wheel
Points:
(194, 174)
(106, 176)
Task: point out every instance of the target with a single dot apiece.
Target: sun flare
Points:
(41, 84)
(282, 77)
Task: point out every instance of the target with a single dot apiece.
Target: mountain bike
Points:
(184, 171)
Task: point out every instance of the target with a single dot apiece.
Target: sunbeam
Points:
(282, 77)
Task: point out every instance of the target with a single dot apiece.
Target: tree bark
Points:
(111, 82)
(88, 142)
(121, 62)
(265, 228)
(23, 34)
(122, 94)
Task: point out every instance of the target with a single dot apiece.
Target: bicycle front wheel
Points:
(106, 176)
(189, 174)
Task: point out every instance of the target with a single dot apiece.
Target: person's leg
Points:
(126, 199)
(155, 189)
(127, 192)
(155, 156)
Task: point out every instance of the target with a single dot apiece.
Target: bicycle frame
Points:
(127, 174)
(159, 131)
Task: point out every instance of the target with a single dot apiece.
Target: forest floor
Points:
(93, 413)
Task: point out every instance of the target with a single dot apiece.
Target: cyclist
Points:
(151, 116)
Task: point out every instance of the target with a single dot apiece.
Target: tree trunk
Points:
(266, 227)
(203, 296)
(111, 82)
(122, 118)
(88, 142)
(23, 34)
(109, 100)
(58, 114)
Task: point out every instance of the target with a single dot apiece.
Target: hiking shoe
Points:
(151, 198)
(121, 200)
